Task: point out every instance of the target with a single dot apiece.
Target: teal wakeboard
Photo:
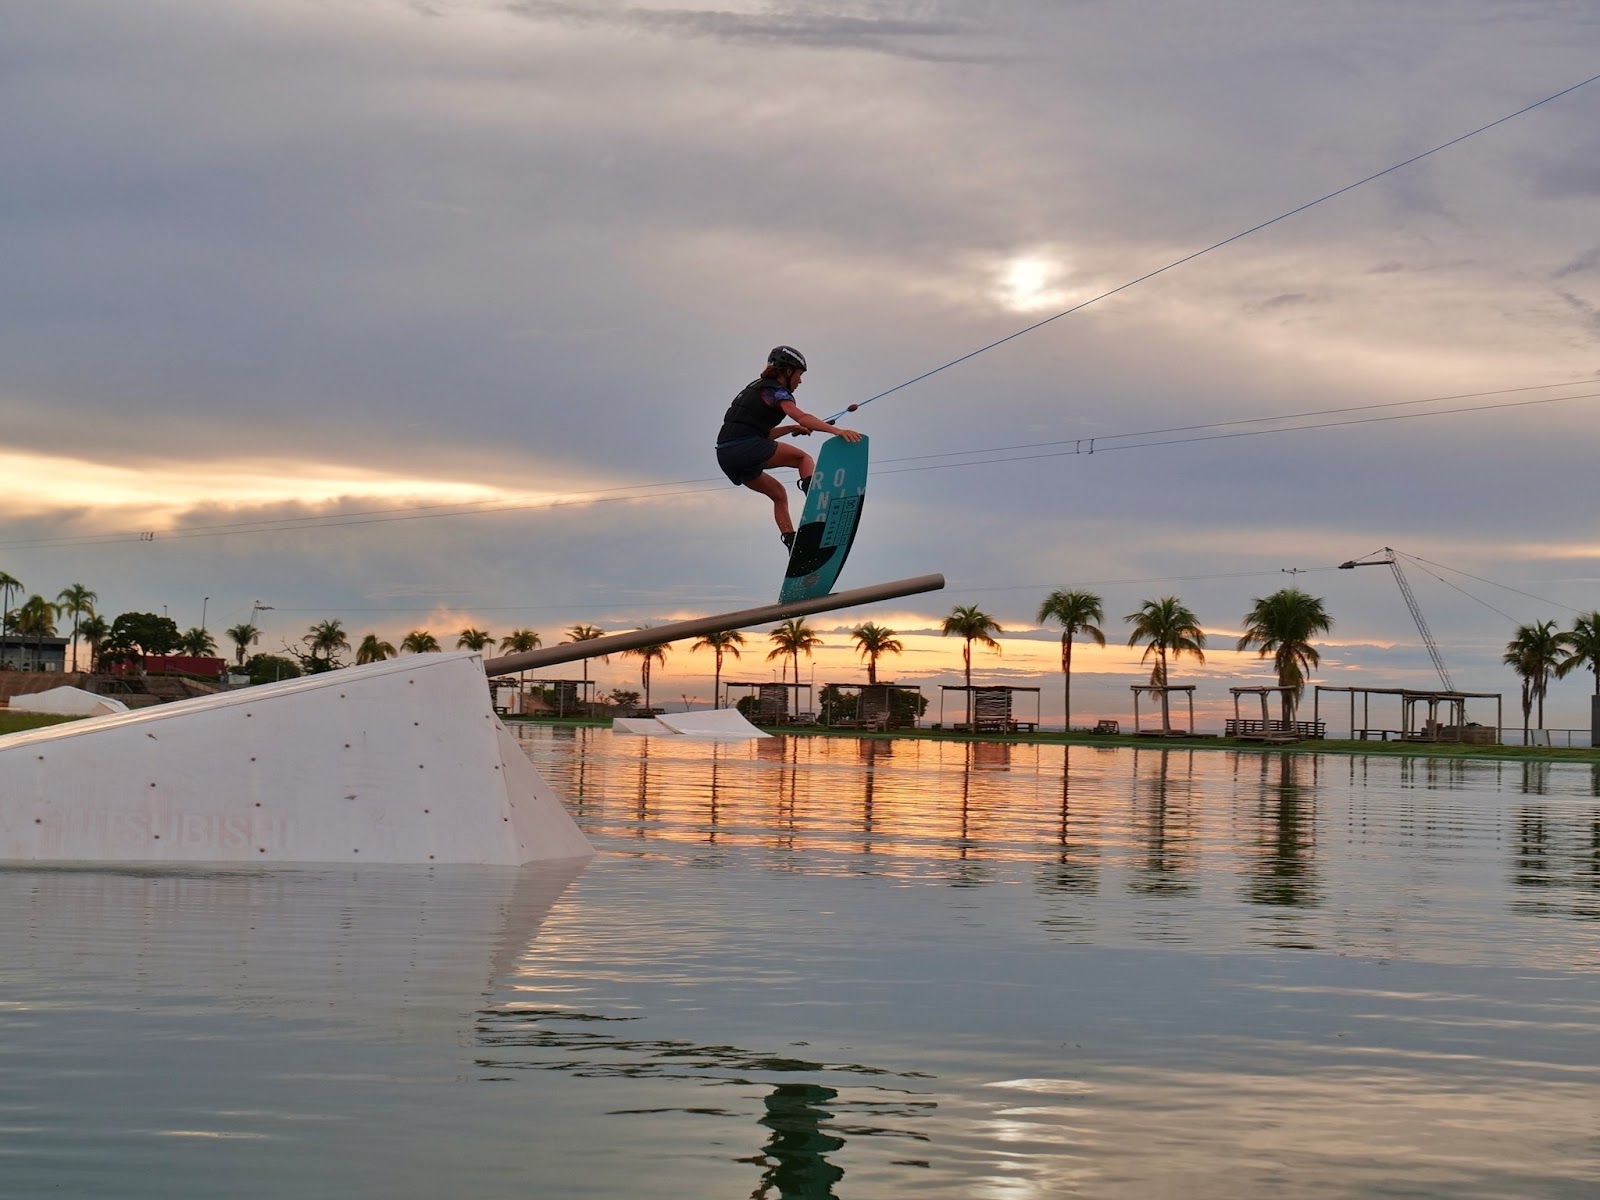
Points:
(828, 523)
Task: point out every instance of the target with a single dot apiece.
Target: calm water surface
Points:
(813, 968)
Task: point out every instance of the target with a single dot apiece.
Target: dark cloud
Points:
(880, 29)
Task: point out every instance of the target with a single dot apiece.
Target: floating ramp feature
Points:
(718, 724)
(66, 702)
(401, 761)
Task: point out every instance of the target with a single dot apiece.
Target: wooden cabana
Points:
(1162, 691)
(1268, 728)
(991, 708)
(1429, 729)
(874, 707)
(773, 705)
(567, 697)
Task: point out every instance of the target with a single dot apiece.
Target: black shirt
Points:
(755, 412)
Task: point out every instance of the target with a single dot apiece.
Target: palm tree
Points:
(790, 640)
(971, 624)
(326, 638)
(656, 652)
(198, 643)
(94, 631)
(1170, 628)
(373, 649)
(586, 633)
(1077, 612)
(1534, 653)
(419, 641)
(36, 616)
(76, 602)
(1283, 625)
(872, 643)
(520, 641)
(1584, 643)
(474, 639)
(244, 636)
(726, 642)
(8, 584)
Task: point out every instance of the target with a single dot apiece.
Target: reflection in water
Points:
(1284, 871)
(1164, 818)
(518, 1036)
(1075, 868)
(794, 1153)
(960, 811)
(769, 984)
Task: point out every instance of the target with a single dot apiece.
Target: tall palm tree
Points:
(1076, 612)
(971, 624)
(94, 631)
(872, 643)
(474, 639)
(520, 641)
(326, 638)
(8, 584)
(244, 636)
(585, 633)
(727, 642)
(1583, 644)
(1534, 653)
(419, 641)
(36, 617)
(1283, 625)
(373, 649)
(1170, 628)
(77, 602)
(198, 643)
(790, 640)
(656, 652)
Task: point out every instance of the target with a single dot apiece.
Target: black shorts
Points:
(742, 460)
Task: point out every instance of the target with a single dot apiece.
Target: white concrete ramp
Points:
(722, 724)
(718, 724)
(66, 702)
(397, 762)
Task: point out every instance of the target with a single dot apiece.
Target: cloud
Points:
(268, 260)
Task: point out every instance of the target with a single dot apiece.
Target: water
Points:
(810, 968)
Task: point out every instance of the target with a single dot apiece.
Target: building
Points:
(24, 652)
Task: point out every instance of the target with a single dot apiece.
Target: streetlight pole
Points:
(203, 604)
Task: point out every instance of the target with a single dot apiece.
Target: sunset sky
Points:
(424, 315)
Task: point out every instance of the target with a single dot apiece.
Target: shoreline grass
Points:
(1311, 746)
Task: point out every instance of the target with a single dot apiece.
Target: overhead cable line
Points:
(1491, 583)
(1097, 443)
(1243, 233)
(1434, 574)
(1085, 447)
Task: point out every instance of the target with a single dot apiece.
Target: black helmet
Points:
(787, 356)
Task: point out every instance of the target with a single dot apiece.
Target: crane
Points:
(1392, 561)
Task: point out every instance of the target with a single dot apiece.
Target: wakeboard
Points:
(828, 523)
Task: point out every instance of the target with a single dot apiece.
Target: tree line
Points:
(1282, 625)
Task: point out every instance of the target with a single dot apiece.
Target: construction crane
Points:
(1393, 563)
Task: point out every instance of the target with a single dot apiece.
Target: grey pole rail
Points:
(616, 643)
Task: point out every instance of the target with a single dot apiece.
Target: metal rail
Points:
(616, 643)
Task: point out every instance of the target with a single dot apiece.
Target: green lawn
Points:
(11, 722)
